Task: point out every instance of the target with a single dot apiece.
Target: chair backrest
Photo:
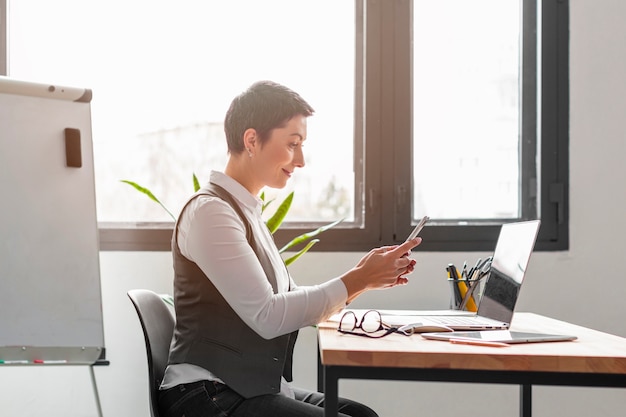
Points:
(157, 322)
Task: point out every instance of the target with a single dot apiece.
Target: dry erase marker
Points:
(12, 362)
(49, 361)
(418, 228)
(479, 343)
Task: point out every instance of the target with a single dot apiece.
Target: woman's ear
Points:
(250, 141)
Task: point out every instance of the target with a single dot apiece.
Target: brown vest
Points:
(210, 334)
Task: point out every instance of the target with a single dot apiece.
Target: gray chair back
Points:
(157, 323)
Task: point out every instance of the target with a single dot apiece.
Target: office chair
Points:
(157, 322)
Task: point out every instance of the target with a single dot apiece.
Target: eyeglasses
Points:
(370, 324)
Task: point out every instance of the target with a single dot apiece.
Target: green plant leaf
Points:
(168, 299)
(306, 236)
(301, 252)
(196, 183)
(276, 220)
(149, 194)
(265, 203)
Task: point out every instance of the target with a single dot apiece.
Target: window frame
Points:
(479, 235)
(551, 189)
(383, 117)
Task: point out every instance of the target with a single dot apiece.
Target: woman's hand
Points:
(382, 267)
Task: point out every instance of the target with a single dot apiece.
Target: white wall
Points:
(585, 285)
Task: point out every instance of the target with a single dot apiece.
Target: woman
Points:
(238, 310)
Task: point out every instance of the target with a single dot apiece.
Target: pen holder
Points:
(465, 294)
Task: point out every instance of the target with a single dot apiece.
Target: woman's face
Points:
(282, 153)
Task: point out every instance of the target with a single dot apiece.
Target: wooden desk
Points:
(595, 359)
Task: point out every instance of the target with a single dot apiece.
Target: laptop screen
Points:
(510, 260)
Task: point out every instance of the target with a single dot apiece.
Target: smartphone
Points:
(418, 228)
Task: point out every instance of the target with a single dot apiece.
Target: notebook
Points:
(515, 244)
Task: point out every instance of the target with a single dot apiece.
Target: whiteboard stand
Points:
(94, 385)
(51, 303)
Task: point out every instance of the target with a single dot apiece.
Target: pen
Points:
(484, 270)
(473, 269)
(479, 343)
(454, 274)
(458, 299)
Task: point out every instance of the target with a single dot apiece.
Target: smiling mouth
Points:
(287, 172)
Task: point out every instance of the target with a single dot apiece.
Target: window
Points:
(409, 120)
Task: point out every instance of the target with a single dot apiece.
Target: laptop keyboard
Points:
(460, 320)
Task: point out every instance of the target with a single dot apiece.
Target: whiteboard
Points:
(50, 295)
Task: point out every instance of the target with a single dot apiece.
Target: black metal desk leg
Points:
(331, 393)
(525, 397)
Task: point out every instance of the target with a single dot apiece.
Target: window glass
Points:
(163, 74)
(466, 109)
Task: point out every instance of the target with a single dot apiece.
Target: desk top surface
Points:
(592, 352)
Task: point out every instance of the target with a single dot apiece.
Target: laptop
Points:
(500, 291)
